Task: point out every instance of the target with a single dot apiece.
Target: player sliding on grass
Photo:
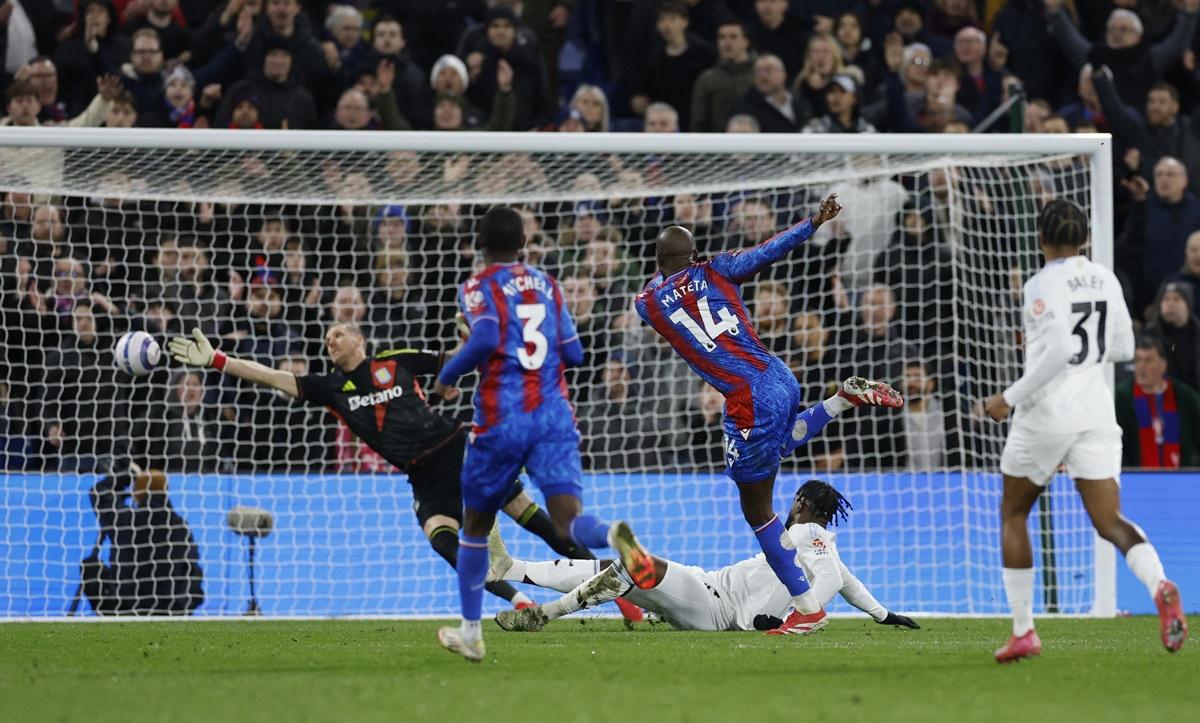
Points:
(521, 339)
(380, 400)
(697, 307)
(1075, 323)
(744, 596)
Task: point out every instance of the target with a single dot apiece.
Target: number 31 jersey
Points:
(526, 371)
(1074, 309)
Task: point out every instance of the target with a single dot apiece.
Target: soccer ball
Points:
(137, 354)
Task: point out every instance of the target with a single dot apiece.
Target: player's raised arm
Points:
(199, 352)
(742, 265)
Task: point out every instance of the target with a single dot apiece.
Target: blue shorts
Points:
(544, 442)
(758, 423)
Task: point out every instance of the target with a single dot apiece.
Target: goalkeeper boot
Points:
(1026, 646)
(527, 620)
(499, 561)
(452, 639)
(869, 393)
(1172, 622)
(638, 563)
(798, 623)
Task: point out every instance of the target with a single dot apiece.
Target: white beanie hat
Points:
(453, 62)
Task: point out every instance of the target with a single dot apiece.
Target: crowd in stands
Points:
(76, 271)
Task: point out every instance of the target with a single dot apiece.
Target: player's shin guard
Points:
(444, 542)
(589, 531)
(538, 522)
(1018, 587)
(782, 559)
(809, 424)
(472, 571)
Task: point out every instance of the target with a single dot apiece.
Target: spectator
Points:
(94, 48)
(773, 32)
(71, 419)
(397, 315)
(1159, 415)
(1087, 109)
(177, 42)
(1189, 273)
(1157, 226)
(1162, 132)
(856, 49)
(181, 436)
(938, 107)
(925, 446)
(449, 81)
(910, 65)
(274, 89)
(841, 103)
(22, 105)
(346, 47)
(770, 309)
(1173, 322)
(153, 564)
(43, 76)
(408, 80)
(950, 17)
(822, 61)
(592, 104)
(718, 89)
(122, 112)
(706, 444)
(908, 21)
(16, 452)
(770, 103)
(1136, 64)
(980, 87)
(675, 62)
(614, 429)
(284, 26)
(1022, 45)
(181, 108)
(871, 229)
(296, 437)
(142, 76)
(529, 77)
(353, 112)
(661, 118)
(244, 114)
(742, 123)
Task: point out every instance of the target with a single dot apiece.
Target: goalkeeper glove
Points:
(197, 351)
(899, 620)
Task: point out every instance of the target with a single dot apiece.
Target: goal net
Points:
(262, 239)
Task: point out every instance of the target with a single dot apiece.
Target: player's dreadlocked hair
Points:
(824, 500)
(1062, 223)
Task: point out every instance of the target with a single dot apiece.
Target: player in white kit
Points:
(1075, 323)
(743, 596)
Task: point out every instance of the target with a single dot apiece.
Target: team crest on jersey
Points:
(473, 300)
(1039, 307)
(383, 376)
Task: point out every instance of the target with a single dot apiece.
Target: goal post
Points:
(263, 237)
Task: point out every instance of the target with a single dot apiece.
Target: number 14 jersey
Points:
(526, 370)
(1075, 322)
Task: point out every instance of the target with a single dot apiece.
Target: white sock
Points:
(470, 630)
(836, 404)
(561, 575)
(516, 572)
(1018, 586)
(603, 587)
(1143, 561)
(520, 598)
(806, 603)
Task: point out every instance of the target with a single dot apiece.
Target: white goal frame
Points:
(1098, 147)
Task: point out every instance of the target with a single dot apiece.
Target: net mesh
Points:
(917, 283)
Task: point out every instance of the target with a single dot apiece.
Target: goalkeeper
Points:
(743, 596)
(382, 402)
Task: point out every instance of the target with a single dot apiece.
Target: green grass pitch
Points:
(1091, 670)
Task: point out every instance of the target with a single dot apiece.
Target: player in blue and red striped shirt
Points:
(521, 339)
(697, 306)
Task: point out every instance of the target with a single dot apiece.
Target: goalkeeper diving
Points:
(744, 596)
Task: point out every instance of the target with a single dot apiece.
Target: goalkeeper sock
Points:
(1018, 586)
(538, 522)
(589, 531)
(781, 559)
(444, 542)
(811, 421)
(560, 575)
(1143, 562)
(472, 571)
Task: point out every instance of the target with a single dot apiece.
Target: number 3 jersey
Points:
(700, 311)
(1075, 321)
(526, 371)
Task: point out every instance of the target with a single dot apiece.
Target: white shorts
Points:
(687, 598)
(1036, 455)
